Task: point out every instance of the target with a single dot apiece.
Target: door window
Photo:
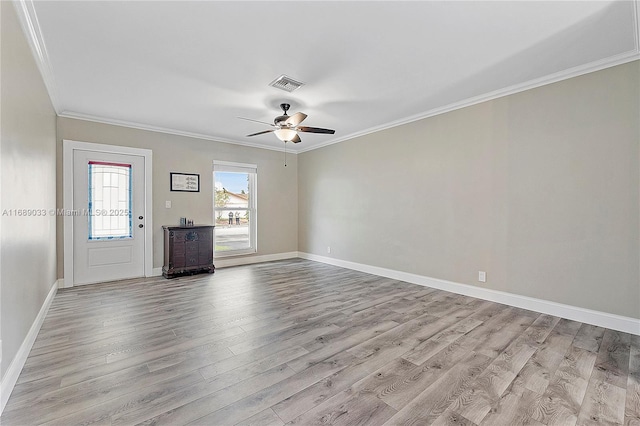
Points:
(109, 201)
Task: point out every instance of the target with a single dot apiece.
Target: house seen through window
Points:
(234, 208)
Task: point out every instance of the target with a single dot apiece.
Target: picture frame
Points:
(184, 182)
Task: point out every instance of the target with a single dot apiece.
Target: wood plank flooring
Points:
(302, 343)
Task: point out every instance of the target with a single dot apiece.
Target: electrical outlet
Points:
(482, 276)
(167, 204)
(329, 249)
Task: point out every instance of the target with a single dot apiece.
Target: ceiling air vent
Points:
(286, 83)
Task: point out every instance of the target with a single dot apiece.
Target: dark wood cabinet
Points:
(187, 250)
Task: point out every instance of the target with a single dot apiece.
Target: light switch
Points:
(167, 204)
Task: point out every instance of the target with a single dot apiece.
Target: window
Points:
(109, 201)
(234, 208)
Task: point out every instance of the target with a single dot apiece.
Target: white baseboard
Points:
(246, 260)
(155, 272)
(13, 372)
(601, 319)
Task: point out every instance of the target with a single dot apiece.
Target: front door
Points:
(108, 216)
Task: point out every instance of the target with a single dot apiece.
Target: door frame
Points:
(68, 147)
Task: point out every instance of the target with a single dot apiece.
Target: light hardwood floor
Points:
(303, 343)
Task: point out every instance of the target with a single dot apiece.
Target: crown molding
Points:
(636, 16)
(612, 61)
(33, 33)
(166, 130)
(29, 21)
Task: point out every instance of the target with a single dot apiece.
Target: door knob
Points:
(141, 226)
(140, 217)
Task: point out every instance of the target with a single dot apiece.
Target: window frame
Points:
(252, 208)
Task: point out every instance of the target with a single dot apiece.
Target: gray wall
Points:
(28, 164)
(540, 189)
(277, 185)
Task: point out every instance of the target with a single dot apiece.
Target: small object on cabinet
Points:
(187, 251)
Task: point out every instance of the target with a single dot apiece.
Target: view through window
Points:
(234, 208)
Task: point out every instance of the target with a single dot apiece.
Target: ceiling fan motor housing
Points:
(278, 121)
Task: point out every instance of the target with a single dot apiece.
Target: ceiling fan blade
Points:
(296, 119)
(257, 121)
(260, 133)
(315, 130)
(296, 139)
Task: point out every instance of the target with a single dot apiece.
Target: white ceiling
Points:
(194, 67)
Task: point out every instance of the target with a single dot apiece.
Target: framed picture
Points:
(185, 182)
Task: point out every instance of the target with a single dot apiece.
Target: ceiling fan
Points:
(286, 127)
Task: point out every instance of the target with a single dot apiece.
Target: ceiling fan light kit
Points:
(285, 134)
